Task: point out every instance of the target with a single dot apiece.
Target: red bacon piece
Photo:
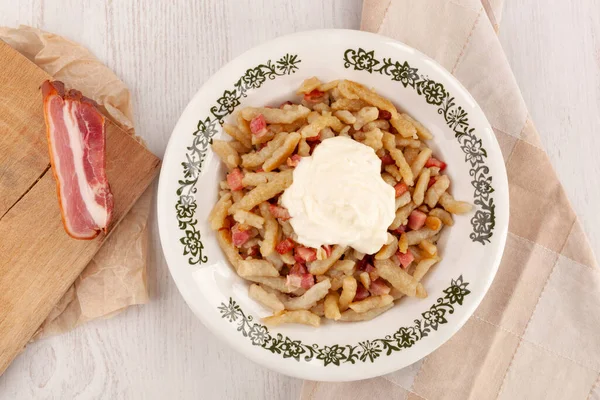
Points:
(234, 179)
(378, 287)
(258, 124)
(305, 254)
(366, 260)
(405, 258)
(361, 293)
(299, 277)
(383, 114)
(416, 220)
(387, 160)
(239, 236)
(284, 246)
(279, 212)
(315, 96)
(434, 162)
(298, 269)
(308, 280)
(77, 144)
(400, 188)
(400, 230)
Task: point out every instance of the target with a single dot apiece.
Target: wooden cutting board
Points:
(38, 260)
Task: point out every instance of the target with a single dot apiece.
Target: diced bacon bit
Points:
(314, 138)
(239, 236)
(308, 280)
(434, 162)
(379, 287)
(258, 124)
(298, 269)
(284, 246)
(76, 135)
(299, 277)
(416, 220)
(361, 265)
(327, 249)
(387, 160)
(384, 114)
(234, 179)
(400, 230)
(372, 271)
(314, 97)
(294, 160)
(260, 169)
(285, 103)
(305, 254)
(361, 293)
(279, 212)
(405, 258)
(401, 188)
(431, 181)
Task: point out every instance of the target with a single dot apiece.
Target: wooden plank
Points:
(23, 149)
(38, 260)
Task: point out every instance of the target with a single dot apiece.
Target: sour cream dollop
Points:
(339, 197)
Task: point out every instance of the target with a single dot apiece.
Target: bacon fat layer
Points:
(77, 144)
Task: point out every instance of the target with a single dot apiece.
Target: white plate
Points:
(270, 74)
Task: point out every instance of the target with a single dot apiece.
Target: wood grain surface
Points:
(23, 151)
(38, 260)
(164, 52)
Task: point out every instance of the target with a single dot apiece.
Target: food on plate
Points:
(332, 206)
(77, 145)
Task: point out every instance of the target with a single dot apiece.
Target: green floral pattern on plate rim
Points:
(368, 350)
(203, 135)
(483, 222)
(456, 118)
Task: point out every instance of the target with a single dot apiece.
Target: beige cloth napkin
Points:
(536, 335)
(116, 276)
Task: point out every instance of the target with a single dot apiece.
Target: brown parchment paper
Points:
(116, 276)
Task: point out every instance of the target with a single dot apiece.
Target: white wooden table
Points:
(164, 51)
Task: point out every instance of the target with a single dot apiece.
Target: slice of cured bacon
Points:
(77, 144)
